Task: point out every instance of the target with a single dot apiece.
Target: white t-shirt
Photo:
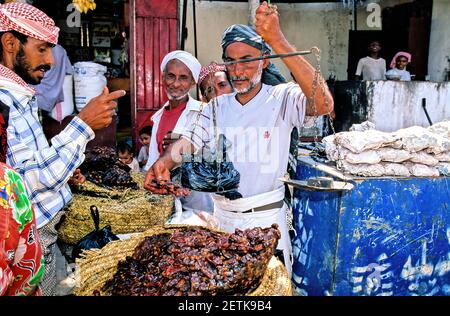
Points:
(143, 154)
(404, 74)
(371, 69)
(259, 132)
(134, 165)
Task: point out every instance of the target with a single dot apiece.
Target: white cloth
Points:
(229, 215)
(259, 133)
(134, 165)
(196, 200)
(404, 74)
(186, 58)
(143, 154)
(193, 106)
(371, 69)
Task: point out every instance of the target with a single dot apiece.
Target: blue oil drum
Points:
(385, 237)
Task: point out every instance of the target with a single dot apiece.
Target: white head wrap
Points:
(186, 58)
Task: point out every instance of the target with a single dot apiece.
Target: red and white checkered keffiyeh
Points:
(212, 68)
(8, 78)
(28, 20)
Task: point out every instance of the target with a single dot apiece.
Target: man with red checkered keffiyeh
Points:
(27, 36)
(213, 81)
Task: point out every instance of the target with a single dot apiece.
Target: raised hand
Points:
(98, 113)
(267, 23)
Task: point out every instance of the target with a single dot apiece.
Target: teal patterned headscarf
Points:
(246, 34)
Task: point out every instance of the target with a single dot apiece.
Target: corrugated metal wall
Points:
(154, 33)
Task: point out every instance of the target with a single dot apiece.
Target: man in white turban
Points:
(180, 73)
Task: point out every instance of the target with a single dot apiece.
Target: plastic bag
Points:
(363, 170)
(211, 175)
(423, 158)
(393, 155)
(95, 239)
(395, 169)
(358, 142)
(370, 157)
(419, 170)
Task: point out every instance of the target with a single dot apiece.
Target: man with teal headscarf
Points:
(257, 119)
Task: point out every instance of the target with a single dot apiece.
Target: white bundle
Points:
(363, 170)
(397, 144)
(366, 157)
(393, 155)
(417, 138)
(358, 142)
(330, 147)
(442, 145)
(444, 157)
(422, 157)
(419, 170)
(395, 169)
(364, 126)
(441, 128)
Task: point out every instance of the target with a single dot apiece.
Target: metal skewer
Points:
(246, 60)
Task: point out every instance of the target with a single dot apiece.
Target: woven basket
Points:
(96, 266)
(128, 211)
(89, 188)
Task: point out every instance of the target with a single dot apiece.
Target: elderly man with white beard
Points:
(180, 73)
(257, 118)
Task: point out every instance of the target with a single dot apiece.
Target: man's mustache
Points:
(43, 67)
(234, 78)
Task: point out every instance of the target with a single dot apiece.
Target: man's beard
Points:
(171, 98)
(23, 68)
(254, 81)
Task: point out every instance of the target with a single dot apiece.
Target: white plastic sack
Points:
(368, 157)
(397, 144)
(442, 145)
(89, 82)
(363, 170)
(393, 155)
(441, 128)
(419, 170)
(417, 138)
(65, 108)
(444, 157)
(330, 147)
(423, 158)
(360, 141)
(395, 169)
(364, 126)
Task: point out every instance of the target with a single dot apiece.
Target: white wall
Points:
(305, 25)
(325, 25)
(439, 41)
(393, 105)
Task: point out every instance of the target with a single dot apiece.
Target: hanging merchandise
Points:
(98, 238)
(89, 80)
(84, 6)
(211, 175)
(212, 171)
(66, 107)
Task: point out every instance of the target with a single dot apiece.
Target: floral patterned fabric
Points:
(21, 259)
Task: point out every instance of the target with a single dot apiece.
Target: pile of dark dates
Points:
(196, 261)
(103, 167)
